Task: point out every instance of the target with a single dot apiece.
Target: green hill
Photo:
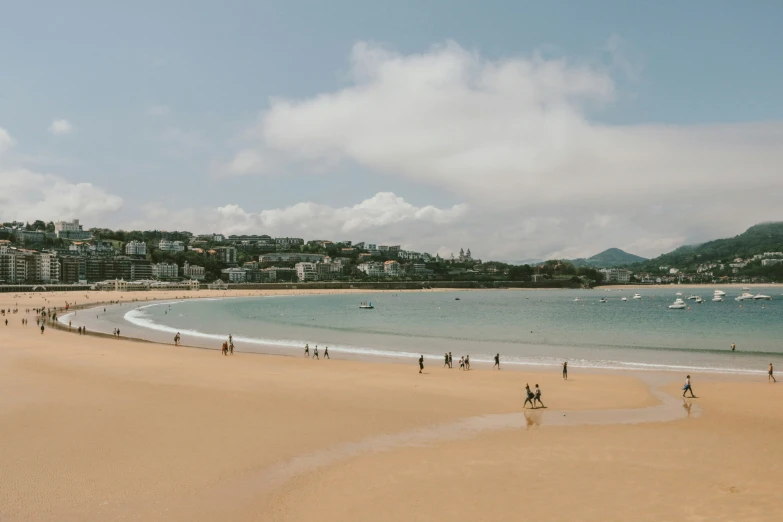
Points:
(764, 237)
(609, 258)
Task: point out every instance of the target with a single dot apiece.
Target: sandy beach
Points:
(95, 429)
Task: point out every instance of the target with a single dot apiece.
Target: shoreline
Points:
(211, 341)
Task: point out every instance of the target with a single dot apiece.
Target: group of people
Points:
(315, 352)
(533, 397)
(226, 349)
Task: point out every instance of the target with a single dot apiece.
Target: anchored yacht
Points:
(762, 296)
(637, 296)
(678, 304)
(745, 296)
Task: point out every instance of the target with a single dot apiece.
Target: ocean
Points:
(531, 327)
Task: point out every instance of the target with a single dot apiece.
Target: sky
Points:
(520, 130)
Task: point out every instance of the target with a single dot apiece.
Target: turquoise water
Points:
(525, 327)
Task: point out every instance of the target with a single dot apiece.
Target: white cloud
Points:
(60, 127)
(29, 195)
(383, 217)
(515, 138)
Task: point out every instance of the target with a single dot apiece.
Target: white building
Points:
(171, 246)
(165, 271)
(193, 271)
(234, 275)
(45, 265)
(306, 272)
(136, 248)
(372, 269)
(616, 275)
(771, 262)
(70, 230)
(391, 268)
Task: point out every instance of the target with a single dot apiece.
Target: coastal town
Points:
(64, 252)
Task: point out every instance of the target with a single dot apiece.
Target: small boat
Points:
(366, 305)
(717, 299)
(762, 296)
(456, 299)
(678, 294)
(577, 300)
(745, 288)
(693, 297)
(719, 293)
(624, 299)
(602, 300)
(636, 296)
(699, 300)
(745, 296)
(678, 304)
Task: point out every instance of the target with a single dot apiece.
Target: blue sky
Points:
(160, 96)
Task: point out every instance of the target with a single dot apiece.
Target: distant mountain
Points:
(758, 239)
(609, 258)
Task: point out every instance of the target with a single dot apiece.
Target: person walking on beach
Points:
(537, 397)
(421, 363)
(462, 363)
(176, 339)
(769, 374)
(687, 387)
(307, 350)
(224, 348)
(451, 361)
(467, 362)
(497, 360)
(315, 352)
(230, 346)
(565, 371)
(528, 397)
(446, 360)
(42, 326)
(118, 333)
(326, 353)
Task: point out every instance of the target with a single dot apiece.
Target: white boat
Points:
(717, 299)
(602, 300)
(366, 306)
(720, 293)
(744, 297)
(745, 288)
(678, 294)
(693, 297)
(699, 300)
(637, 296)
(577, 300)
(678, 304)
(762, 296)
(624, 299)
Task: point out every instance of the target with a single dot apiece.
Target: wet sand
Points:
(103, 429)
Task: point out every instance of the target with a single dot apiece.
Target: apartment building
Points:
(136, 248)
(165, 271)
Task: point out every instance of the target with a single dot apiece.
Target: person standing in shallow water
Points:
(446, 360)
(497, 360)
(733, 347)
(769, 374)
(315, 352)
(565, 371)
(307, 350)
(421, 364)
(687, 387)
(451, 361)
(326, 353)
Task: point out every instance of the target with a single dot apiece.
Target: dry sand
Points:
(101, 429)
